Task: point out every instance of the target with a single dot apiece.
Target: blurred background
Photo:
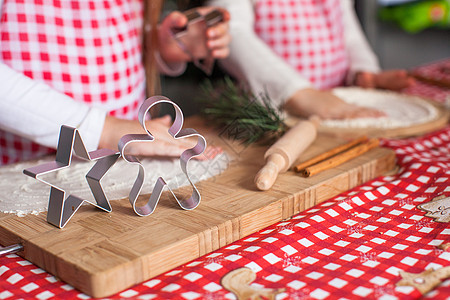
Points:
(403, 33)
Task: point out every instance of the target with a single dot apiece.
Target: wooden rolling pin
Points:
(281, 155)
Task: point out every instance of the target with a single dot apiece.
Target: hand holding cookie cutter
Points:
(60, 208)
(176, 132)
(192, 38)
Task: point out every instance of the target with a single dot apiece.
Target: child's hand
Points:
(168, 47)
(326, 105)
(163, 145)
(217, 37)
(390, 80)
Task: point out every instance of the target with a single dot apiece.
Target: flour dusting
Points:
(400, 110)
(22, 195)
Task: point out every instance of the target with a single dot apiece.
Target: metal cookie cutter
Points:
(176, 132)
(61, 209)
(192, 38)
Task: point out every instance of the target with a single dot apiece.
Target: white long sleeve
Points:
(251, 60)
(36, 111)
(361, 56)
(94, 57)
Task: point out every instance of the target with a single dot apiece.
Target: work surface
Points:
(101, 253)
(359, 244)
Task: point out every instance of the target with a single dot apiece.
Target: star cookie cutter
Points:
(177, 132)
(60, 208)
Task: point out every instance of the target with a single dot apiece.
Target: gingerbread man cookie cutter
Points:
(60, 208)
(177, 132)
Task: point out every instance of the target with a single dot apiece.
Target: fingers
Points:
(364, 112)
(156, 148)
(218, 40)
(164, 120)
(399, 79)
(168, 47)
(391, 79)
(163, 148)
(394, 80)
(175, 20)
(218, 36)
(210, 153)
(163, 145)
(159, 128)
(365, 80)
(327, 106)
(169, 148)
(351, 111)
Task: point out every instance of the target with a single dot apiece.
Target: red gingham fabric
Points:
(308, 34)
(439, 70)
(89, 50)
(349, 247)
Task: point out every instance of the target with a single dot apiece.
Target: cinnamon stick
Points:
(300, 167)
(340, 158)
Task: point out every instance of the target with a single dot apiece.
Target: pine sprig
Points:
(248, 117)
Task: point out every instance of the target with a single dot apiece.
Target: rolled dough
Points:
(22, 195)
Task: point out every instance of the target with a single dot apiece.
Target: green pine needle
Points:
(247, 118)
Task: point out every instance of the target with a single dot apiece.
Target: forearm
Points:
(36, 111)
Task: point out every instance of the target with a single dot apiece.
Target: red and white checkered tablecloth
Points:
(438, 71)
(352, 246)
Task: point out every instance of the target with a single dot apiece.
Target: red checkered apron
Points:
(88, 50)
(308, 34)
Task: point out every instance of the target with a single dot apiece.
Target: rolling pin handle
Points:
(10, 249)
(268, 174)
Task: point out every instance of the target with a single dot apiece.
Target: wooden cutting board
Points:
(104, 253)
(439, 121)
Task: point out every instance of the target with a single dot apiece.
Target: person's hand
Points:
(169, 49)
(326, 105)
(390, 80)
(217, 37)
(163, 145)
